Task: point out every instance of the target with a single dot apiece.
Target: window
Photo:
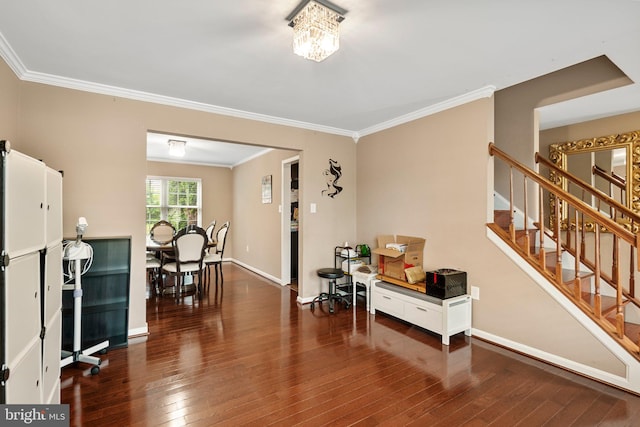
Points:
(177, 200)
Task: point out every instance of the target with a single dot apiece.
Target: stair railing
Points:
(574, 238)
(619, 212)
(612, 178)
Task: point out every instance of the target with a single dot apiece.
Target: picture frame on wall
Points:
(266, 189)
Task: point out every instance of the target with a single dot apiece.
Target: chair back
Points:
(162, 232)
(210, 229)
(189, 245)
(221, 237)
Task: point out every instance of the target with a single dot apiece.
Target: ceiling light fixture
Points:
(316, 32)
(177, 148)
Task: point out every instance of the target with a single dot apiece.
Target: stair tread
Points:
(575, 289)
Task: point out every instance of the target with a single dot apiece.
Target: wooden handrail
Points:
(604, 222)
(614, 178)
(583, 216)
(593, 191)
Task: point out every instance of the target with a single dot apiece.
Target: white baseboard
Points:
(554, 359)
(306, 300)
(137, 332)
(632, 379)
(258, 272)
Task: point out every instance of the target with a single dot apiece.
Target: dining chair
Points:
(153, 272)
(162, 232)
(209, 230)
(215, 256)
(189, 245)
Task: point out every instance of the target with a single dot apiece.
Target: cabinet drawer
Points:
(426, 316)
(388, 304)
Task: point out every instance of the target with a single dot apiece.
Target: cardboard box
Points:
(392, 262)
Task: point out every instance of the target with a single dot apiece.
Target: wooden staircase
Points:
(570, 259)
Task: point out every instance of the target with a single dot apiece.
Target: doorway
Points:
(290, 222)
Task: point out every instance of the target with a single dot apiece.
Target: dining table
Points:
(154, 246)
(161, 249)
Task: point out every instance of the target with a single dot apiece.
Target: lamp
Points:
(316, 33)
(177, 148)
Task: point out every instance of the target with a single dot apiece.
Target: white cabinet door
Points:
(22, 329)
(53, 282)
(54, 207)
(24, 385)
(24, 219)
(51, 361)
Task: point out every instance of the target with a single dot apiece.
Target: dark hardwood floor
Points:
(251, 356)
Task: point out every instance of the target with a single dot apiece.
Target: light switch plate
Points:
(475, 292)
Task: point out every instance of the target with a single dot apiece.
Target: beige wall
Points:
(331, 225)
(261, 232)
(217, 182)
(100, 143)
(9, 100)
(428, 178)
(601, 127)
(516, 124)
(516, 128)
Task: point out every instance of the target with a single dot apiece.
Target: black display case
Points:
(105, 296)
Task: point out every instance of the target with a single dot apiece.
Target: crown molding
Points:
(219, 165)
(483, 92)
(187, 162)
(85, 86)
(14, 62)
(9, 55)
(255, 156)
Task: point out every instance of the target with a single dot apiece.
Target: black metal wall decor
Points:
(332, 176)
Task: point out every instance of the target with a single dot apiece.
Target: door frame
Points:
(285, 224)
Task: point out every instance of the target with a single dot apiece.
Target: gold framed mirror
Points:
(609, 163)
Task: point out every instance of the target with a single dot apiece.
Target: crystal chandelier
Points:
(316, 32)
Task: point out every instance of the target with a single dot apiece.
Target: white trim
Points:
(306, 300)
(285, 219)
(631, 382)
(255, 270)
(9, 55)
(218, 165)
(186, 162)
(589, 371)
(137, 332)
(14, 62)
(484, 92)
(137, 95)
(255, 156)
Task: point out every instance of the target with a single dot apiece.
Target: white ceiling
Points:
(202, 151)
(397, 58)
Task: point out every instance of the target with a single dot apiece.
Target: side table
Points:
(363, 279)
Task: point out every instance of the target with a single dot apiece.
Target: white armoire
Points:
(30, 279)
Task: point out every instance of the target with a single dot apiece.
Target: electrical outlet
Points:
(475, 292)
(247, 248)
